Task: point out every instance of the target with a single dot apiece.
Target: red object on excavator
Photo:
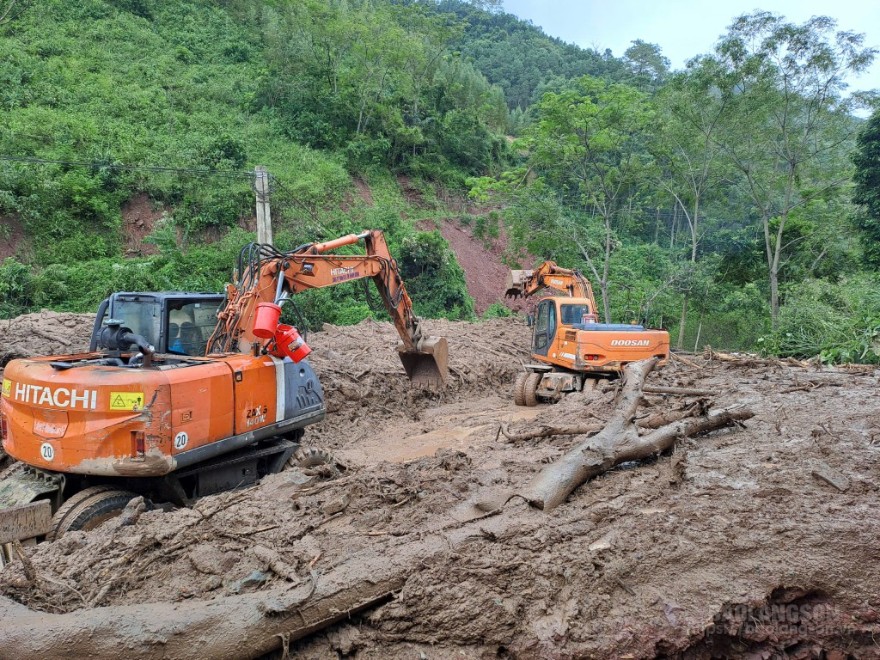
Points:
(266, 321)
(290, 344)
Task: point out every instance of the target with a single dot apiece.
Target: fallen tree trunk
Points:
(653, 421)
(681, 391)
(547, 432)
(658, 419)
(752, 360)
(619, 442)
(244, 626)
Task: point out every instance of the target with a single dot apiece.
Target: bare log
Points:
(752, 360)
(548, 432)
(653, 421)
(658, 419)
(681, 391)
(678, 357)
(619, 442)
(591, 458)
(244, 626)
(558, 480)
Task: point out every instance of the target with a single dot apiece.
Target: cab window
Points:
(190, 325)
(545, 325)
(142, 316)
(572, 314)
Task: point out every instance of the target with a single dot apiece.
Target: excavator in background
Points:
(183, 395)
(570, 346)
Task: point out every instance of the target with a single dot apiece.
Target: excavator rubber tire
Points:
(519, 389)
(530, 389)
(88, 509)
(310, 457)
(317, 463)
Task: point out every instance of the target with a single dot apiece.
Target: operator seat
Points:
(173, 342)
(185, 340)
(191, 339)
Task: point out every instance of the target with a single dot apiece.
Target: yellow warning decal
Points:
(7, 387)
(126, 400)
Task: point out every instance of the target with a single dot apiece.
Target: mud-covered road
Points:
(758, 542)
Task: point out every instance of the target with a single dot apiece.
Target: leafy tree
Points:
(786, 119)
(689, 159)
(647, 64)
(867, 187)
(588, 141)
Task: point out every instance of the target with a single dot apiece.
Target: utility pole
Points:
(264, 216)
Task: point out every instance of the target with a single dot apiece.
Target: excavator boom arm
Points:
(272, 277)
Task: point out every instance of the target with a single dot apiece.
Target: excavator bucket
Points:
(428, 365)
(515, 280)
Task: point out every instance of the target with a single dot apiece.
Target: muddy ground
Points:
(756, 542)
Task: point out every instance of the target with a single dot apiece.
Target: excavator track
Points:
(26, 496)
(13, 468)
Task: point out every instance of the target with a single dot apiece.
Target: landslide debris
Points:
(44, 333)
(738, 544)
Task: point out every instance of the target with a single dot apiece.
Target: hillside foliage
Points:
(199, 92)
(715, 201)
(728, 202)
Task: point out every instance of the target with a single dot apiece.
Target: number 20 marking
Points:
(180, 440)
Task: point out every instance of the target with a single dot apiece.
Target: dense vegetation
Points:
(315, 91)
(716, 201)
(520, 58)
(734, 202)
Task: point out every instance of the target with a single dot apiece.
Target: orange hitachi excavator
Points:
(183, 395)
(570, 346)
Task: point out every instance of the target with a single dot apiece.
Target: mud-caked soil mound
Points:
(754, 541)
(363, 377)
(44, 333)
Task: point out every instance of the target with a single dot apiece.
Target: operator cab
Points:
(559, 311)
(175, 323)
(571, 313)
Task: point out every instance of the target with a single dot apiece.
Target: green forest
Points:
(735, 202)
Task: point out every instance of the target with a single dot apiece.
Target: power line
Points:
(273, 180)
(122, 166)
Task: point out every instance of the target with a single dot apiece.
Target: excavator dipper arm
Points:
(548, 275)
(270, 276)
